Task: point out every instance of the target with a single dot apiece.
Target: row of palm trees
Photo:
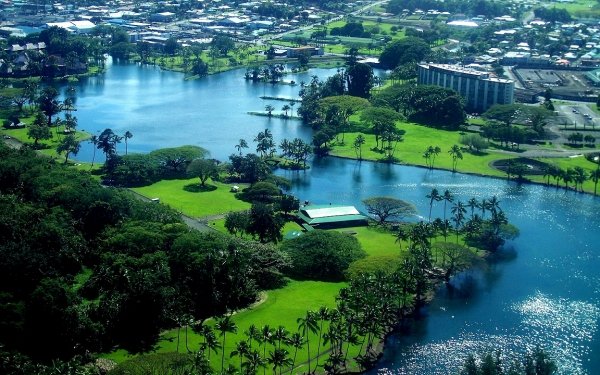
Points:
(576, 176)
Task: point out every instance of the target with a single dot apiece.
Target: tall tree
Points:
(128, 135)
(384, 208)
(68, 145)
(456, 154)
(224, 325)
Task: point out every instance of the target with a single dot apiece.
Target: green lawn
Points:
(416, 139)
(579, 8)
(194, 204)
(280, 307)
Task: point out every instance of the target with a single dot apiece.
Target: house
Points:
(331, 216)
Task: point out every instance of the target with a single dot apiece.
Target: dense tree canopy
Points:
(403, 51)
(322, 255)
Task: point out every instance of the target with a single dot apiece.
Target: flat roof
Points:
(324, 211)
(322, 214)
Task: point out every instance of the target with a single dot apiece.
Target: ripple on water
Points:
(562, 327)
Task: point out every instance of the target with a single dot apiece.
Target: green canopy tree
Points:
(203, 169)
(386, 208)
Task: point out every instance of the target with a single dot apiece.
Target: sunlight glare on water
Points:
(564, 328)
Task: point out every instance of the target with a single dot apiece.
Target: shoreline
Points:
(524, 181)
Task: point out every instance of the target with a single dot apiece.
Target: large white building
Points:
(479, 89)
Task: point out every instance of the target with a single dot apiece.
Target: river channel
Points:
(542, 289)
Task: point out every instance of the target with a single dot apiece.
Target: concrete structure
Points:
(331, 216)
(479, 89)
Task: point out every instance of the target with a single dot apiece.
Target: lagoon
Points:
(543, 289)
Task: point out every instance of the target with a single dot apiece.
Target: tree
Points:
(38, 131)
(456, 154)
(403, 51)
(359, 80)
(224, 325)
(322, 255)
(48, 103)
(237, 222)
(359, 141)
(285, 109)
(382, 120)
(107, 142)
(241, 145)
(430, 154)
(68, 145)
(203, 169)
(384, 208)
(434, 196)
(94, 142)
(306, 325)
(264, 223)
(127, 136)
(269, 109)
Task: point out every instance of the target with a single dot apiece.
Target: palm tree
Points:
(127, 136)
(595, 176)
(269, 109)
(266, 337)
(94, 141)
(297, 342)
(253, 361)
(579, 177)
(241, 145)
(253, 334)
(472, 204)
(286, 108)
(434, 196)
(401, 235)
(448, 197)
(211, 342)
(224, 325)
(241, 350)
(459, 211)
(323, 316)
(308, 324)
(456, 154)
(280, 334)
(358, 142)
(279, 358)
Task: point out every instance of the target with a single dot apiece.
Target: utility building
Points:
(479, 89)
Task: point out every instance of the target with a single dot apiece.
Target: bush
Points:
(322, 255)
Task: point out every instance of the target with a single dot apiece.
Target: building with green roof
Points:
(331, 216)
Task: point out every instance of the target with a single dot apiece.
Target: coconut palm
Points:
(241, 145)
(94, 141)
(253, 361)
(459, 211)
(128, 135)
(323, 316)
(269, 109)
(253, 334)
(280, 335)
(266, 337)
(297, 342)
(241, 350)
(456, 154)
(308, 324)
(434, 196)
(224, 325)
(286, 108)
(448, 197)
(472, 204)
(595, 177)
(279, 358)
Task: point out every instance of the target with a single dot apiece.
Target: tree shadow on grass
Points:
(197, 188)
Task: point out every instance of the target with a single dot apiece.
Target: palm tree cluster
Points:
(297, 150)
(576, 176)
(265, 145)
(479, 231)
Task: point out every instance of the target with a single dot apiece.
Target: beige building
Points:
(479, 89)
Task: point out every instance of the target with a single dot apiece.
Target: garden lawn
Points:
(289, 226)
(194, 204)
(415, 141)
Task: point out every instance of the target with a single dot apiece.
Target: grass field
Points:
(579, 8)
(279, 307)
(194, 204)
(416, 139)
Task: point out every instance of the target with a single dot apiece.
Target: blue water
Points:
(543, 290)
